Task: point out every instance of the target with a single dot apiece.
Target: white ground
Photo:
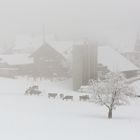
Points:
(38, 118)
(16, 59)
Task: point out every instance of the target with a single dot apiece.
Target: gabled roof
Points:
(114, 60)
(16, 59)
(46, 51)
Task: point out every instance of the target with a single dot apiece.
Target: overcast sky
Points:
(115, 20)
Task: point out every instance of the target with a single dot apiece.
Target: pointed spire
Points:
(137, 43)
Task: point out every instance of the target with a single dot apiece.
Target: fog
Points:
(114, 22)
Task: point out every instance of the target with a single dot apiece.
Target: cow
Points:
(61, 96)
(33, 91)
(138, 96)
(84, 98)
(27, 92)
(68, 98)
(52, 95)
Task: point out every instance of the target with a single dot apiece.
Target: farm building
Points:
(47, 62)
(116, 62)
(92, 62)
(134, 56)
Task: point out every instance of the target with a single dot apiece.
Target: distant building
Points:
(116, 62)
(137, 44)
(8, 72)
(47, 62)
(84, 64)
(134, 56)
(92, 62)
(46, 53)
(102, 71)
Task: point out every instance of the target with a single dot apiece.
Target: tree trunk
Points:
(110, 114)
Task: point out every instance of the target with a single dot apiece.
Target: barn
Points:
(47, 62)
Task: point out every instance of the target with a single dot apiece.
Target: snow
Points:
(106, 56)
(16, 59)
(63, 47)
(137, 87)
(39, 118)
(114, 60)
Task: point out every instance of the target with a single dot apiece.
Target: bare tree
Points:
(111, 92)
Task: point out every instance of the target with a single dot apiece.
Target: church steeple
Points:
(137, 43)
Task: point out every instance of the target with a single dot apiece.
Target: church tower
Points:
(137, 43)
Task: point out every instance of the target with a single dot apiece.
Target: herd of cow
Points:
(34, 90)
(67, 97)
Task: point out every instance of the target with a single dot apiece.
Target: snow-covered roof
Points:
(64, 47)
(15, 59)
(131, 52)
(106, 56)
(114, 60)
(47, 52)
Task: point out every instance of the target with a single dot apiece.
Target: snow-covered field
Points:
(39, 118)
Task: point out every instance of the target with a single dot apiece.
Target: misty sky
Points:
(110, 20)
